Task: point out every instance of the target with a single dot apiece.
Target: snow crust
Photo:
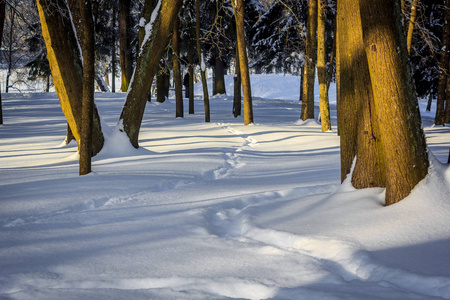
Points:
(211, 210)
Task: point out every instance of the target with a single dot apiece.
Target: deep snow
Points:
(211, 211)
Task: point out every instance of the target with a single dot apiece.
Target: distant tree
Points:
(2, 24)
(443, 97)
(202, 63)
(310, 63)
(177, 69)
(125, 36)
(322, 67)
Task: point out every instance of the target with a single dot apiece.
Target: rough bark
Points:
(239, 8)
(113, 50)
(322, 68)
(63, 54)
(146, 67)
(88, 51)
(177, 70)
(202, 62)
(310, 62)
(395, 105)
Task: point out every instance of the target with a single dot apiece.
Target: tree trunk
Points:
(239, 8)
(310, 63)
(202, 62)
(322, 68)
(69, 135)
(357, 128)
(219, 76)
(126, 59)
(2, 25)
(12, 14)
(113, 50)
(177, 70)
(411, 23)
(191, 78)
(146, 16)
(237, 101)
(395, 105)
(88, 50)
(146, 67)
(65, 63)
(443, 96)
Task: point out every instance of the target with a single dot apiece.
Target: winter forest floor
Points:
(211, 210)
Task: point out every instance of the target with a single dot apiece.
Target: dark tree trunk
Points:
(113, 50)
(444, 72)
(87, 46)
(177, 70)
(69, 135)
(219, 76)
(191, 79)
(2, 25)
(146, 67)
(126, 58)
(237, 101)
(202, 63)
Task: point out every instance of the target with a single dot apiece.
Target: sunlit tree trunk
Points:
(310, 62)
(125, 54)
(147, 65)
(88, 51)
(67, 71)
(359, 136)
(239, 7)
(395, 105)
(202, 63)
(411, 23)
(322, 68)
(177, 70)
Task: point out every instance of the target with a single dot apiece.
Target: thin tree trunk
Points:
(395, 105)
(202, 63)
(191, 78)
(239, 8)
(310, 63)
(69, 135)
(10, 50)
(237, 102)
(126, 61)
(322, 68)
(177, 70)
(87, 46)
(146, 67)
(411, 23)
(443, 97)
(113, 50)
(2, 25)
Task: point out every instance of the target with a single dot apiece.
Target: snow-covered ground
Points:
(211, 211)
